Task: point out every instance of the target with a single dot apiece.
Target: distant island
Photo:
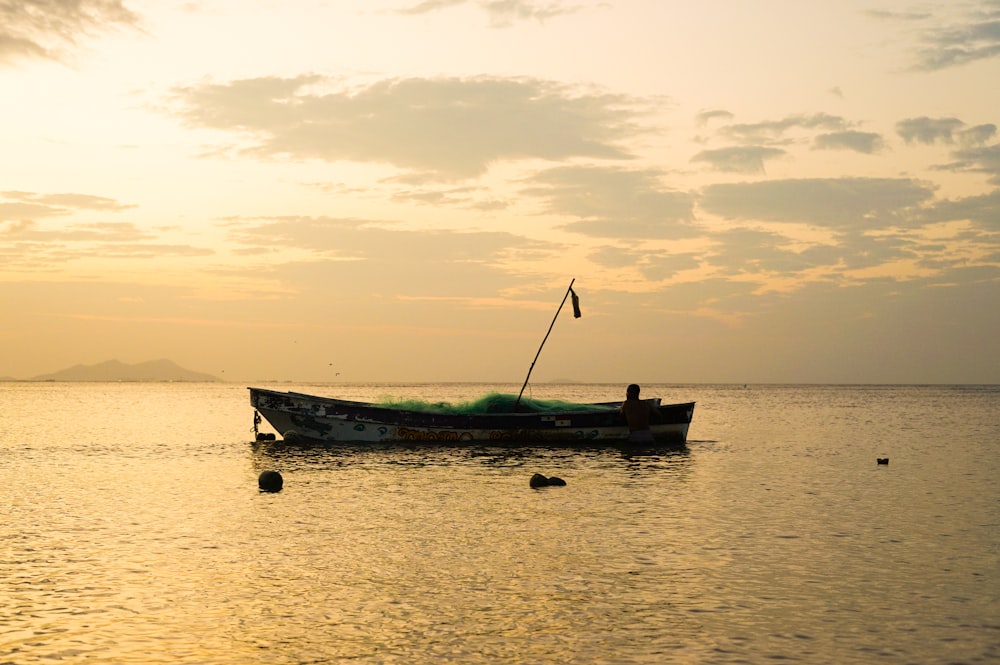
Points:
(114, 370)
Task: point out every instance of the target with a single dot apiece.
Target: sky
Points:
(766, 191)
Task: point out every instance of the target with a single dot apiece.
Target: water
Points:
(132, 530)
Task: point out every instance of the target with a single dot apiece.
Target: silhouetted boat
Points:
(297, 415)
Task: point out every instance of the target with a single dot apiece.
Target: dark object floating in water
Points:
(883, 460)
(538, 480)
(270, 481)
(265, 436)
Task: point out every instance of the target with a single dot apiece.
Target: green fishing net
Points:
(490, 403)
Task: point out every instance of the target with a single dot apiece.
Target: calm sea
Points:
(132, 531)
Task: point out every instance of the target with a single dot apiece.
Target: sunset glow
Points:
(401, 190)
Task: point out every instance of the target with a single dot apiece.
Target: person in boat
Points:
(638, 413)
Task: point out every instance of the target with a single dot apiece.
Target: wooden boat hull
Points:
(297, 415)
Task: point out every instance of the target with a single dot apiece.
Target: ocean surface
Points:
(132, 531)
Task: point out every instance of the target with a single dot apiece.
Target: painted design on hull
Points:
(407, 434)
(311, 424)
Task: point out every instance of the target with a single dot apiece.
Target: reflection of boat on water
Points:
(492, 419)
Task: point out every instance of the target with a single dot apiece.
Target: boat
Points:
(299, 416)
(493, 419)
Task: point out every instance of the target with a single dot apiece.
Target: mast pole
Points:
(525, 385)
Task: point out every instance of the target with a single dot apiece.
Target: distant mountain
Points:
(114, 370)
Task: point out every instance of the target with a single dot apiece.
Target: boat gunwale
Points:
(609, 408)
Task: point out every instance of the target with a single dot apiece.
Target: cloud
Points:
(738, 159)
(705, 117)
(149, 251)
(502, 13)
(875, 328)
(880, 230)
(984, 159)
(774, 130)
(51, 252)
(898, 16)
(864, 142)
(27, 243)
(612, 202)
(464, 197)
(758, 140)
(384, 245)
(30, 205)
(929, 130)
(31, 29)
(974, 155)
(447, 128)
(977, 135)
(983, 210)
(617, 257)
(27, 211)
(356, 268)
(652, 265)
(840, 203)
(974, 37)
(750, 251)
(428, 6)
(505, 12)
(101, 232)
(775, 261)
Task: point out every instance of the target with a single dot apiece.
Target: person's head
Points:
(632, 392)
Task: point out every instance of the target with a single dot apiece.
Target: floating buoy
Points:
(270, 481)
(538, 480)
(883, 460)
(265, 436)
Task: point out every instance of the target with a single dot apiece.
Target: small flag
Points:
(576, 304)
